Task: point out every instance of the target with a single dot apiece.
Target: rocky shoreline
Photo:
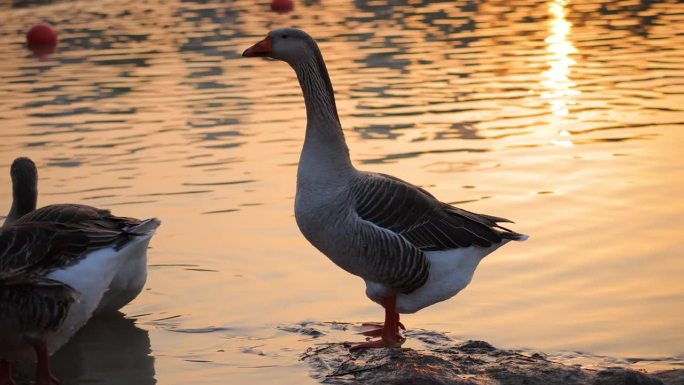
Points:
(433, 358)
(442, 361)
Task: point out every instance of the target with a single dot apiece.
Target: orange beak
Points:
(260, 49)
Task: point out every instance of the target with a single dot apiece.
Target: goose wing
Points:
(79, 214)
(400, 221)
(29, 301)
(417, 216)
(34, 248)
(33, 304)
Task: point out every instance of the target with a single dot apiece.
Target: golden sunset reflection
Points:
(559, 87)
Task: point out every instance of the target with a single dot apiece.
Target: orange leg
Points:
(43, 374)
(390, 336)
(6, 372)
(374, 329)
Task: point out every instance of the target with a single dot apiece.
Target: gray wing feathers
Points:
(40, 247)
(79, 214)
(29, 301)
(389, 259)
(50, 238)
(34, 304)
(408, 221)
(392, 205)
(420, 218)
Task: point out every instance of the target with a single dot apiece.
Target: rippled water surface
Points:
(564, 116)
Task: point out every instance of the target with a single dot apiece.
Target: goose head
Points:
(287, 44)
(24, 188)
(24, 176)
(300, 51)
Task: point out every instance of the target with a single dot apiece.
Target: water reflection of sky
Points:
(562, 115)
(557, 78)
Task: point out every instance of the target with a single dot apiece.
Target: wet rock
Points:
(303, 329)
(437, 360)
(476, 347)
(671, 377)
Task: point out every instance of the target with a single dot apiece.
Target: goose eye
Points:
(284, 36)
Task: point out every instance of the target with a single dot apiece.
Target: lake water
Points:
(567, 117)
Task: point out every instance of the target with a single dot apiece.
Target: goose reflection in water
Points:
(108, 350)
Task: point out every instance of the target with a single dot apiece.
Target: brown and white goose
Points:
(411, 249)
(52, 278)
(131, 278)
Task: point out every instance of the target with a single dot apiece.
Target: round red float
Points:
(41, 35)
(282, 5)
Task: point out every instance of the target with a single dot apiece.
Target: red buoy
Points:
(282, 5)
(41, 35)
(42, 39)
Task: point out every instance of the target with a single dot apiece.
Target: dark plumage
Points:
(52, 277)
(34, 304)
(29, 251)
(127, 284)
(80, 214)
(39, 247)
(24, 188)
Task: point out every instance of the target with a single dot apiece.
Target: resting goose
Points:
(129, 280)
(52, 277)
(410, 249)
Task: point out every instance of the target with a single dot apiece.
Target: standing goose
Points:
(129, 280)
(411, 249)
(52, 277)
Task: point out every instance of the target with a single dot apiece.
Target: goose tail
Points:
(516, 236)
(145, 227)
(142, 231)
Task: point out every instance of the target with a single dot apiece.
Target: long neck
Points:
(324, 137)
(25, 197)
(317, 89)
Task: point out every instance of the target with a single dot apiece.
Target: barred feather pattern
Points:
(389, 258)
(34, 305)
(80, 214)
(408, 221)
(314, 79)
(36, 248)
(31, 303)
(420, 218)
